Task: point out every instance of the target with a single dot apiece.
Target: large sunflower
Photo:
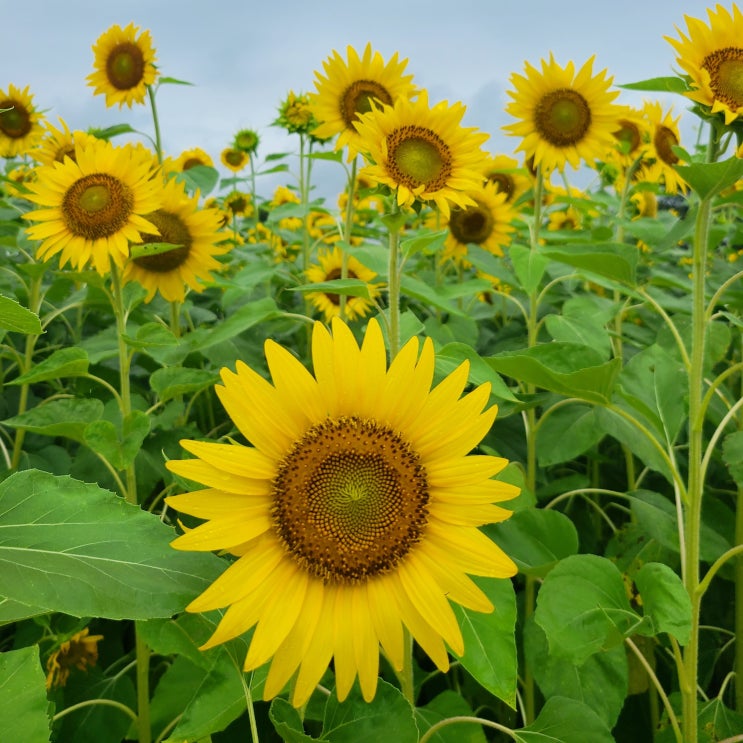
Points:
(423, 153)
(353, 514)
(564, 117)
(487, 223)
(329, 269)
(20, 122)
(713, 57)
(347, 91)
(195, 232)
(665, 136)
(94, 205)
(124, 65)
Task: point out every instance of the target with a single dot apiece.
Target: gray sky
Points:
(243, 57)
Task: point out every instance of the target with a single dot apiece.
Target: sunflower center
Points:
(725, 67)
(664, 139)
(357, 99)
(350, 500)
(562, 117)
(192, 162)
(628, 135)
(504, 184)
(16, 122)
(236, 158)
(418, 157)
(471, 225)
(125, 66)
(173, 231)
(97, 206)
(335, 273)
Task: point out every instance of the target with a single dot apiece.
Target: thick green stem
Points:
(348, 230)
(393, 285)
(739, 606)
(156, 124)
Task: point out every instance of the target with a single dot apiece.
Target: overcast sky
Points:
(243, 57)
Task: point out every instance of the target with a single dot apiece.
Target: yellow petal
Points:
(239, 460)
(220, 534)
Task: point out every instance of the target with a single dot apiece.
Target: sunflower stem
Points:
(347, 229)
(393, 285)
(156, 124)
(407, 684)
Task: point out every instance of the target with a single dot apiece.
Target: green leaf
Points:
(529, 266)
(201, 178)
(388, 716)
(152, 335)
(601, 682)
(583, 608)
(428, 243)
(66, 417)
(659, 85)
(616, 261)
(536, 539)
(17, 318)
(14, 611)
(288, 723)
(119, 445)
(489, 644)
(112, 131)
(174, 381)
(72, 547)
(172, 81)
(442, 297)
(665, 601)
(147, 250)
(732, 455)
(445, 706)
(709, 179)
(23, 702)
(450, 356)
(347, 287)
(66, 362)
(567, 433)
(568, 368)
(565, 720)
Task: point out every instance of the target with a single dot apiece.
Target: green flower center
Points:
(418, 157)
(562, 117)
(235, 158)
(357, 100)
(725, 67)
(172, 230)
(471, 225)
(97, 206)
(350, 500)
(663, 140)
(125, 66)
(16, 122)
(629, 137)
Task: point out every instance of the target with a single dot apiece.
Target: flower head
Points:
(712, 55)
(354, 512)
(665, 136)
(349, 88)
(93, 206)
(233, 159)
(563, 116)
(20, 122)
(79, 651)
(124, 65)
(188, 159)
(296, 116)
(247, 141)
(194, 234)
(423, 153)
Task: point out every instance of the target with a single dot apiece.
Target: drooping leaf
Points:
(288, 724)
(66, 362)
(670, 84)
(23, 702)
(615, 261)
(72, 547)
(709, 179)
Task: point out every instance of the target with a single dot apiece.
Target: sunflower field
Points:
(454, 457)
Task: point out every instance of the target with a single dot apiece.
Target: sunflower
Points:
(124, 65)
(664, 137)
(329, 269)
(238, 204)
(20, 122)
(58, 144)
(632, 137)
(233, 159)
(487, 223)
(195, 232)
(295, 115)
(92, 206)
(79, 651)
(347, 91)
(508, 177)
(353, 515)
(564, 117)
(247, 141)
(188, 159)
(424, 153)
(712, 55)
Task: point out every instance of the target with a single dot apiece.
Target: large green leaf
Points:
(66, 362)
(388, 716)
(565, 720)
(16, 318)
(583, 608)
(709, 179)
(67, 417)
(665, 601)
(489, 644)
(118, 444)
(536, 539)
(732, 455)
(450, 356)
(601, 682)
(23, 702)
(72, 547)
(529, 266)
(567, 433)
(288, 723)
(173, 381)
(568, 368)
(616, 261)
